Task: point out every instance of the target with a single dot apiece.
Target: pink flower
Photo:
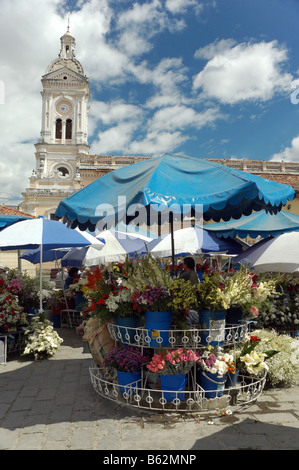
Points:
(254, 311)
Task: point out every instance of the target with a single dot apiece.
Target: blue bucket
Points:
(158, 325)
(212, 384)
(132, 379)
(173, 386)
(232, 379)
(213, 326)
(127, 328)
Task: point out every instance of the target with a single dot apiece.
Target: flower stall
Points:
(217, 363)
(23, 328)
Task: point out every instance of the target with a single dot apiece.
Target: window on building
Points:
(58, 131)
(68, 130)
(63, 170)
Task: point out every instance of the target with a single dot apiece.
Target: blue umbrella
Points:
(33, 256)
(173, 183)
(43, 234)
(257, 224)
(171, 186)
(9, 219)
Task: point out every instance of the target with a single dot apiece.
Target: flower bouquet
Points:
(153, 298)
(128, 362)
(41, 340)
(172, 367)
(216, 363)
(171, 362)
(125, 359)
(252, 362)
(12, 314)
(120, 303)
(210, 293)
(249, 291)
(214, 367)
(96, 290)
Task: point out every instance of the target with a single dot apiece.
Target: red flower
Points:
(254, 339)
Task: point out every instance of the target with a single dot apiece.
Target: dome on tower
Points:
(66, 56)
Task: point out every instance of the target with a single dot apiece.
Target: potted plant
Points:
(213, 367)
(128, 361)
(41, 340)
(212, 309)
(172, 367)
(125, 311)
(156, 302)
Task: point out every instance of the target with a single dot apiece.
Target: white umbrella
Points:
(191, 240)
(44, 234)
(278, 254)
(118, 245)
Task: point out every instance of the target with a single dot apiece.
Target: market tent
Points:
(44, 234)
(257, 224)
(118, 245)
(171, 187)
(278, 254)
(193, 241)
(172, 182)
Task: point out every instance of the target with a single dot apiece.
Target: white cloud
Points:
(242, 72)
(180, 117)
(289, 154)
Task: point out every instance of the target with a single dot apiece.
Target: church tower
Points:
(64, 132)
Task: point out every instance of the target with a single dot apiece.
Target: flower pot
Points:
(173, 386)
(232, 379)
(131, 379)
(212, 384)
(127, 328)
(158, 325)
(213, 326)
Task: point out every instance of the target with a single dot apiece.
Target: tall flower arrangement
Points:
(249, 291)
(97, 291)
(11, 312)
(120, 303)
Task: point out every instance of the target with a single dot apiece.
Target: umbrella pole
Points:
(172, 241)
(41, 279)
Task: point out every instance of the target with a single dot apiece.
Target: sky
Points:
(211, 79)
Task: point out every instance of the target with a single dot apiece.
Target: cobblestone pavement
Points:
(51, 405)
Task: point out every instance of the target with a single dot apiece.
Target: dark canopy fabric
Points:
(172, 181)
(257, 224)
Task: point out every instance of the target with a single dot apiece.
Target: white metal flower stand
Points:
(146, 395)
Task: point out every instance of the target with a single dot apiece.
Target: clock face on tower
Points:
(64, 107)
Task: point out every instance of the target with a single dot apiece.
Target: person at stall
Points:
(73, 274)
(189, 273)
